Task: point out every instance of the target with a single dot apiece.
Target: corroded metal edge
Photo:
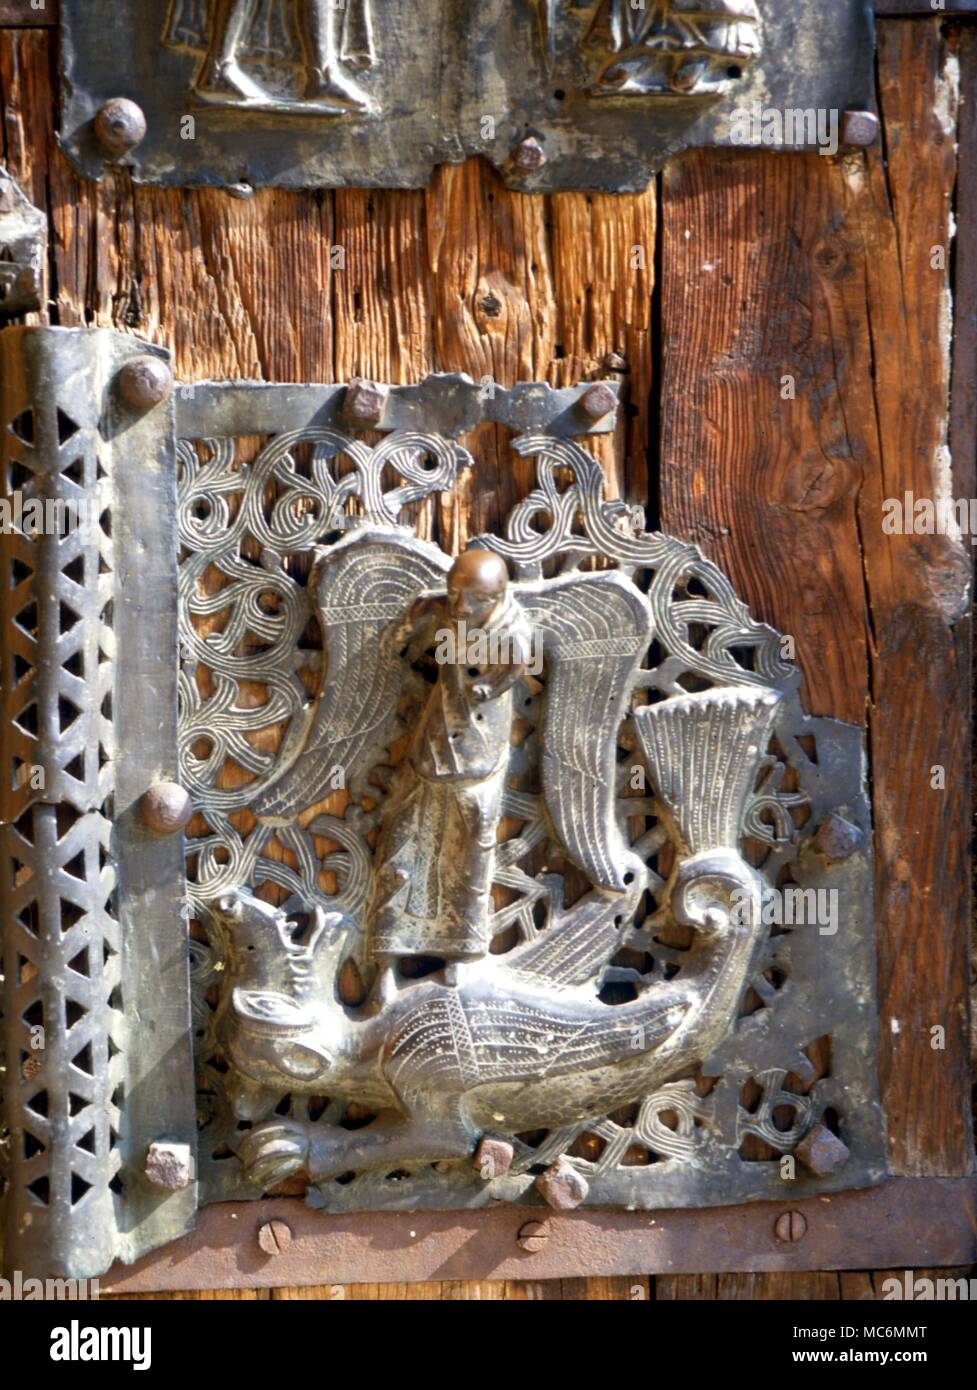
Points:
(448, 403)
(905, 1223)
(96, 991)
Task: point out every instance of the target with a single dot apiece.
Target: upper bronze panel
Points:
(588, 94)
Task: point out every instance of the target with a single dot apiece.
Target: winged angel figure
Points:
(478, 1043)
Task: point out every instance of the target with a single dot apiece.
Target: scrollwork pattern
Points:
(248, 531)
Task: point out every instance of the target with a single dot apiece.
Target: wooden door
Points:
(794, 349)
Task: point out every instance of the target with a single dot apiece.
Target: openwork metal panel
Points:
(555, 93)
(77, 934)
(463, 929)
(287, 755)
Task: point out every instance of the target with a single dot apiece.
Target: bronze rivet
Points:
(145, 382)
(364, 401)
(120, 126)
(859, 128)
(598, 401)
(529, 154)
(165, 808)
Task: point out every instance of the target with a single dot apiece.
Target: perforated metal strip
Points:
(86, 602)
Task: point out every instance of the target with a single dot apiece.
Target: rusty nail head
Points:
(145, 382)
(837, 838)
(859, 128)
(169, 1165)
(615, 362)
(165, 808)
(822, 1152)
(493, 1157)
(274, 1237)
(790, 1226)
(364, 401)
(598, 401)
(532, 1236)
(120, 126)
(529, 154)
(562, 1186)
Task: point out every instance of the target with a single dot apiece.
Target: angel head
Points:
(476, 585)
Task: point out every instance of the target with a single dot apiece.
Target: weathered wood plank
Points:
(824, 271)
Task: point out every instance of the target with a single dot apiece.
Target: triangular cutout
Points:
(66, 428)
(40, 1190)
(22, 668)
(76, 867)
(78, 1188)
(19, 571)
(76, 768)
(26, 619)
(80, 963)
(67, 617)
(75, 570)
(39, 1105)
(26, 719)
(73, 1012)
(23, 426)
(86, 1142)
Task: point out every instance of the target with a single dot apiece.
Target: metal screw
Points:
(533, 1236)
(6, 196)
(145, 382)
(165, 808)
(598, 401)
(274, 1237)
(529, 154)
(790, 1226)
(120, 126)
(364, 401)
(859, 128)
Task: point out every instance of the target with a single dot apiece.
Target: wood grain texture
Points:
(772, 265)
(824, 270)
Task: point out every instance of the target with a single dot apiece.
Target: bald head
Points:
(476, 582)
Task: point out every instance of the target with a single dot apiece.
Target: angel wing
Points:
(596, 629)
(362, 585)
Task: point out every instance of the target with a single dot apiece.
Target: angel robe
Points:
(436, 854)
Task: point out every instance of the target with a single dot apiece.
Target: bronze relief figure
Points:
(277, 55)
(458, 1040)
